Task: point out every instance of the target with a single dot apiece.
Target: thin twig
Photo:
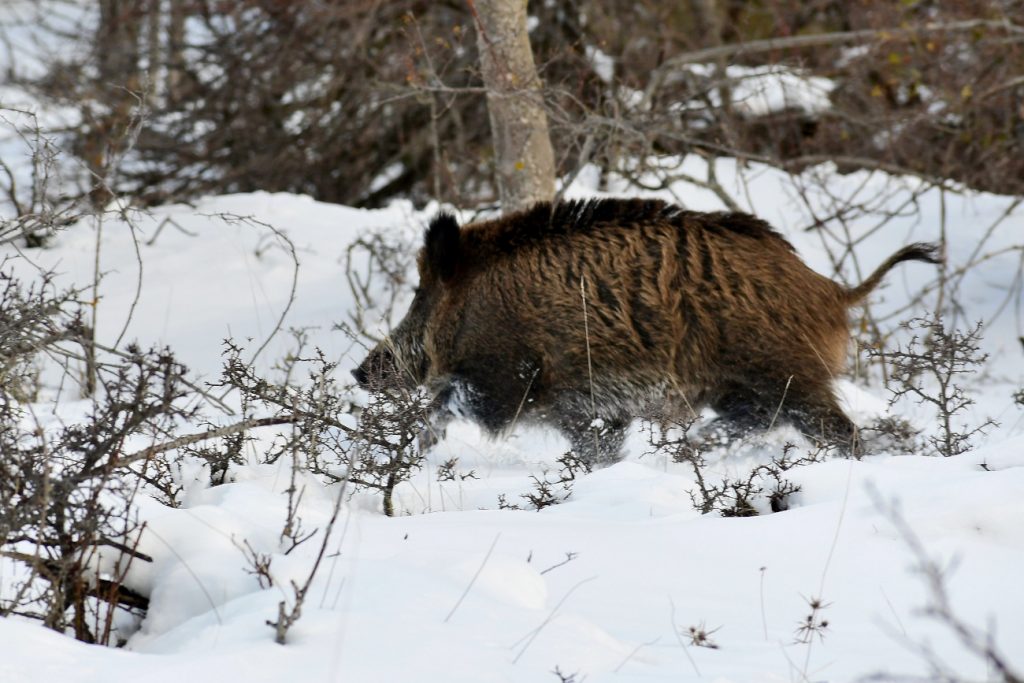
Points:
(469, 586)
(590, 365)
(679, 637)
(530, 637)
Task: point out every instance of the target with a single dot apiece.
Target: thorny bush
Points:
(388, 451)
(66, 494)
(551, 487)
(376, 446)
(729, 496)
(932, 368)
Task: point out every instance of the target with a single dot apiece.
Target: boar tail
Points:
(921, 251)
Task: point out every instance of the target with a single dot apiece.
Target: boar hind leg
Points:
(822, 420)
(596, 442)
(741, 411)
(816, 414)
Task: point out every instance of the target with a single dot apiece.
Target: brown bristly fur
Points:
(683, 309)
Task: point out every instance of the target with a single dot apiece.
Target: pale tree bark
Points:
(175, 49)
(117, 44)
(708, 21)
(154, 15)
(524, 160)
(117, 41)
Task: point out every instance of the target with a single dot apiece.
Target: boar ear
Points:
(442, 245)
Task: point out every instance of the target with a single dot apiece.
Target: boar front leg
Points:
(439, 415)
(435, 429)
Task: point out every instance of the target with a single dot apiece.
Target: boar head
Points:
(401, 360)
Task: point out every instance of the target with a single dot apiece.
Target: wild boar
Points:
(588, 314)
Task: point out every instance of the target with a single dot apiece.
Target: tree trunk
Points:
(154, 48)
(175, 50)
(524, 160)
(117, 60)
(117, 42)
(709, 29)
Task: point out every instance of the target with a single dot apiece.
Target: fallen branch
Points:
(103, 589)
(227, 430)
(717, 52)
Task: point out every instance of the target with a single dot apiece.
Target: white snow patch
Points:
(761, 90)
(603, 64)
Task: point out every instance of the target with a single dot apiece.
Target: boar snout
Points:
(360, 376)
(378, 370)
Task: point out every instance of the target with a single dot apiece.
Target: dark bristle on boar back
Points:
(587, 314)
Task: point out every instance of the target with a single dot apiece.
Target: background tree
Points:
(360, 101)
(523, 158)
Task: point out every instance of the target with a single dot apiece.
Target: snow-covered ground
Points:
(456, 589)
(605, 585)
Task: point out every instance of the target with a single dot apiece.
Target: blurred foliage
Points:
(361, 101)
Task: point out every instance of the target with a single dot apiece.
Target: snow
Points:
(603, 64)
(27, 30)
(761, 90)
(592, 585)
(403, 576)
(604, 584)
